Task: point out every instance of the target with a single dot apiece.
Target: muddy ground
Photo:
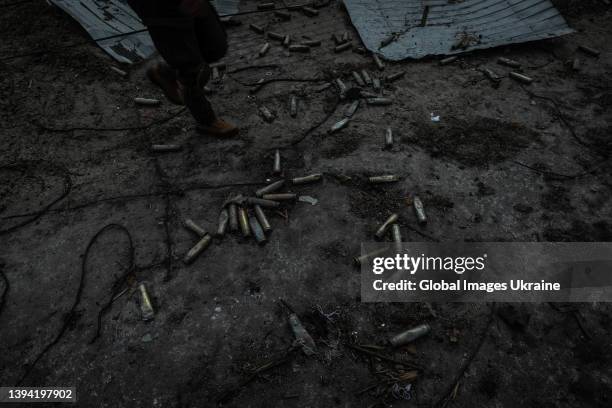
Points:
(506, 163)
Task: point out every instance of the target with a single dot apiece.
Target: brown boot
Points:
(218, 128)
(163, 76)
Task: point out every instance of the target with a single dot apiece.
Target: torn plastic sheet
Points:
(114, 18)
(400, 29)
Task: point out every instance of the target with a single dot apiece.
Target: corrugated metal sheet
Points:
(419, 28)
(107, 18)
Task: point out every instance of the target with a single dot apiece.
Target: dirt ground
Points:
(506, 163)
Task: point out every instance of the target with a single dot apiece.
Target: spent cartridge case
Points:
(380, 101)
(362, 259)
(280, 196)
(521, 78)
(293, 107)
(382, 230)
(419, 210)
(388, 178)
(508, 62)
(307, 179)
(367, 94)
(352, 108)
(409, 335)
(360, 50)
(243, 219)
(337, 38)
(257, 28)
(396, 76)
(263, 220)
(287, 41)
(264, 49)
(589, 50)
(491, 75)
(270, 188)
(388, 138)
(146, 306)
(197, 249)
(119, 71)
(366, 77)
(341, 86)
(262, 202)
(165, 147)
(276, 36)
(396, 233)
(448, 60)
(358, 79)
(223, 222)
(299, 48)
(342, 47)
(232, 210)
(378, 62)
(146, 101)
(257, 230)
(376, 84)
(193, 227)
(302, 336)
(310, 11)
(346, 36)
(266, 114)
(339, 125)
(276, 168)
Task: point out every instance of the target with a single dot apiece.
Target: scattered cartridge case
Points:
(346, 36)
(299, 48)
(448, 60)
(257, 28)
(119, 71)
(280, 196)
(265, 6)
(491, 75)
(232, 209)
(262, 202)
(352, 108)
(223, 223)
(323, 87)
(358, 79)
(275, 36)
(409, 335)
(276, 169)
(146, 306)
(588, 50)
(302, 336)
(366, 77)
(197, 249)
(382, 230)
(307, 179)
(146, 101)
(378, 62)
(270, 188)
(312, 43)
(339, 125)
(264, 49)
(263, 220)
(380, 101)
(376, 84)
(341, 86)
(508, 62)
(366, 94)
(337, 38)
(388, 138)
(293, 107)
(362, 259)
(359, 50)
(243, 219)
(521, 78)
(342, 47)
(396, 76)
(310, 11)
(165, 147)
(266, 114)
(287, 41)
(388, 178)
(193, 227)
(419, 210)
(257, 230)
(396, 232)
(283, 15)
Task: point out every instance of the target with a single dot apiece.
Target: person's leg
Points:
(211, 35)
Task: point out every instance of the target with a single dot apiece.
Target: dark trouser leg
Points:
(193, 81)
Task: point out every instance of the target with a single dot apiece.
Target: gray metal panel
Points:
(479, 23)
(106, 18)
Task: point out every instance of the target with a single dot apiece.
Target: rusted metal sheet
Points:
(399, 29)
(115, 19)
